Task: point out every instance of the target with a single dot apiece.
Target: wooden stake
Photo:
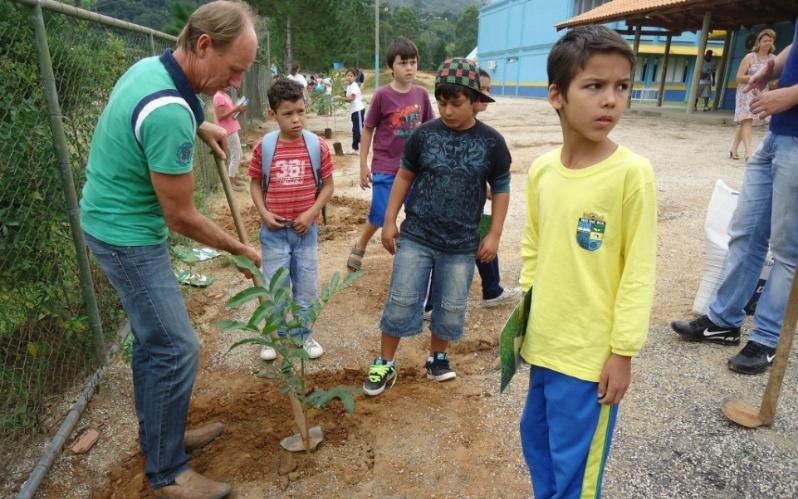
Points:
(743, 413)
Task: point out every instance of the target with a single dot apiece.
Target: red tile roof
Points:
(616, 9)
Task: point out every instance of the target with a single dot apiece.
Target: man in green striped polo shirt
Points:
(139, 185)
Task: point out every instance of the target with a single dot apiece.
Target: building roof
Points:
(687, 15)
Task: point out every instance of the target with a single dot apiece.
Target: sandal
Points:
(355, 260)
(734, 155)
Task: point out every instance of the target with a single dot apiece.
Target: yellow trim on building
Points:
(652, 48)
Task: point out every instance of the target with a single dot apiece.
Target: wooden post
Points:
(720, 76)
(661, 93)
(692, 97)
(638, 29)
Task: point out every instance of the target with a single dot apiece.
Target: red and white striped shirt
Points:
(292, 189)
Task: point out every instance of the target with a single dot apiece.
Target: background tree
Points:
(180, 11)
(466, 29)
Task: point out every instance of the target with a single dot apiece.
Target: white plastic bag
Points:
(716, 232)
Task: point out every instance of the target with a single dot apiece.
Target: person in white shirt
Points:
(356, 107)
(297, 77)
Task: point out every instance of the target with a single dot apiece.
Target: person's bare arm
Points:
(489, 245)
(365, 145)
(404, 179)
(742, 71)
(269, 219)
(222, 112)
(176, 196)
(303, 222)
(769, 71)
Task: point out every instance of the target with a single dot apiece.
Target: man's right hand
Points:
(365, 177)
(760, 79)
(215, 136)
(252, 255)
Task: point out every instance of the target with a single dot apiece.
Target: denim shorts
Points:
(451, 281)
(381, 184)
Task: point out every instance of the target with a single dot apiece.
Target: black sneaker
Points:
(754, 358)
(703, 329)
(439, 369)
(380, 376)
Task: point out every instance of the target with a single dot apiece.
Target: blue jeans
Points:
(489, 273)
(451, 279)
(767, 209)
(165, 350)
(284, 248)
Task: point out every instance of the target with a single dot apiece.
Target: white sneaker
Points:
(268, 353)
(509, 295)
(313, 348)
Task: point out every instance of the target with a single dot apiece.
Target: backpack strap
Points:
(267, 147)
(314, 151)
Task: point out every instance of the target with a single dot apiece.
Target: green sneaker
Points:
(380, 376)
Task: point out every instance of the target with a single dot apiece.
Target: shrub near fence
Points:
(46, 343)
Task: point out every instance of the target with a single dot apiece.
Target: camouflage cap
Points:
(463, 72)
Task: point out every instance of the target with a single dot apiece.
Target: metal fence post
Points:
(62, 153)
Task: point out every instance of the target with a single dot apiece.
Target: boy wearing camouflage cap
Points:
(449, 161)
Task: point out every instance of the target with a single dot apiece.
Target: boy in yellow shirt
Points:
(588, 258)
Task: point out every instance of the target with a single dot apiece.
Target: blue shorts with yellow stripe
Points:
(565, 435)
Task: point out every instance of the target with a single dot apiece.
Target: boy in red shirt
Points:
(290, 206)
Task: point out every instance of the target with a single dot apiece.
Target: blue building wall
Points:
(515, 37)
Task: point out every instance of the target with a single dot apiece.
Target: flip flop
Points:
(355, 260)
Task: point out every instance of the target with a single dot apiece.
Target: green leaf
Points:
(227, 325)
(250, 341)
(350, 278)
(245, 296)
(278, 280)
(281, 297)
(320, 398)
(261, 313)
(336, 278)
(246, 263)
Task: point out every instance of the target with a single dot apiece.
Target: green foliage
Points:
(151, 13)
(180, 12)
(327, 31)
(466, 29)
(277, 310)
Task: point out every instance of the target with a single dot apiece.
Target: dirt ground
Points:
(419, 439)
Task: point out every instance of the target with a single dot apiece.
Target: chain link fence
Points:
(50, 334)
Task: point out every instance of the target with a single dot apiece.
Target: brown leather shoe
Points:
(202, 436)
(191, 485)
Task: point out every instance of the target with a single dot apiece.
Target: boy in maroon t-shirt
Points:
(395, 111)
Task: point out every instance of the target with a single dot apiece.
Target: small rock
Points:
(85, 441)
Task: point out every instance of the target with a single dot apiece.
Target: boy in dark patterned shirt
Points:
(449, 161)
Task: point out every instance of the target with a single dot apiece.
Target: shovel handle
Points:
(231, 200)
(770, 399)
